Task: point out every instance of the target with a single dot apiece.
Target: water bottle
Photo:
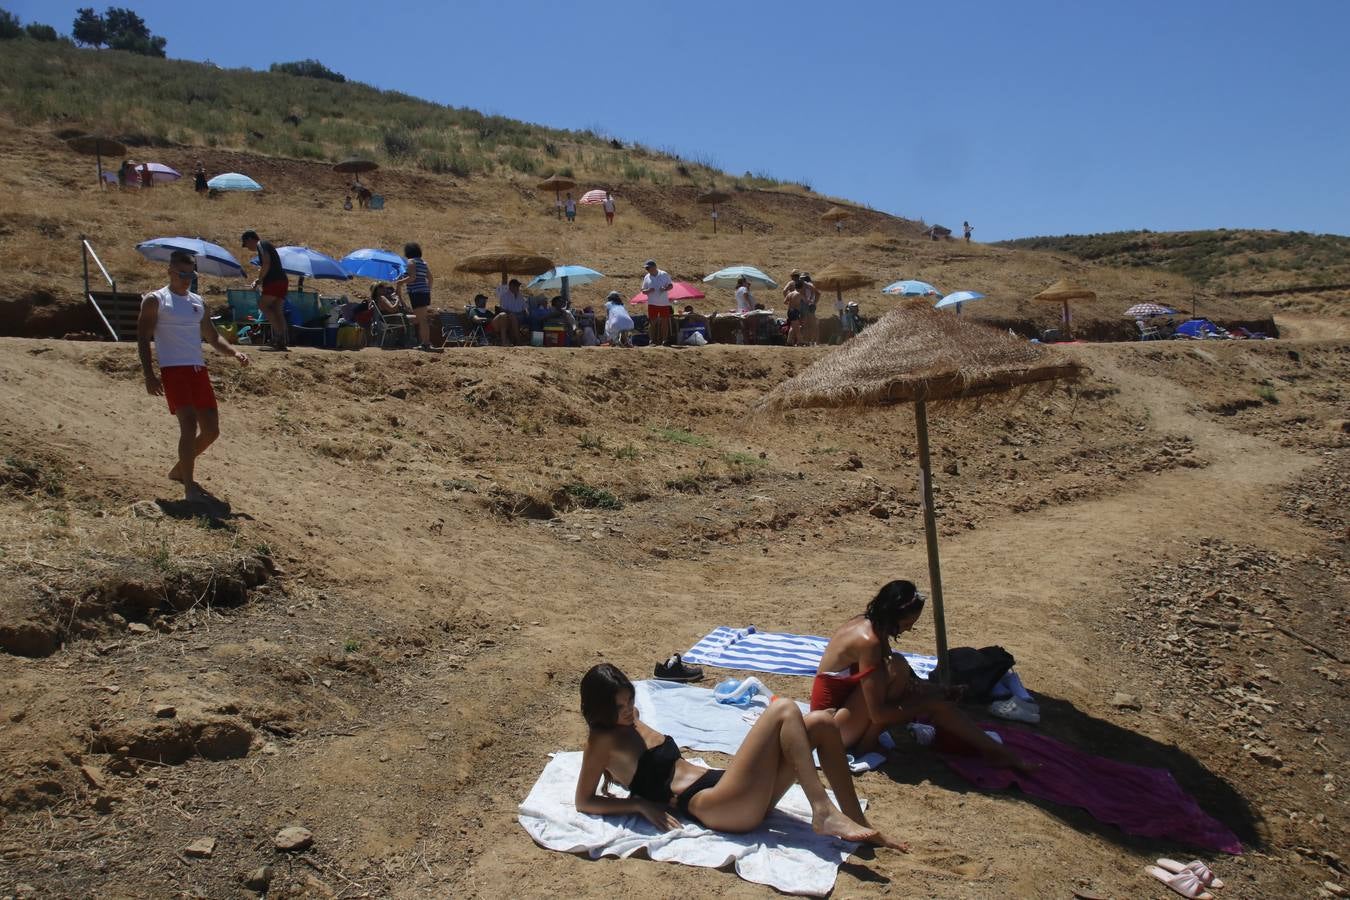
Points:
(737, 693)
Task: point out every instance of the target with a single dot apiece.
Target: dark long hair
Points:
(600, 689)
(412, 250)
(895, 601)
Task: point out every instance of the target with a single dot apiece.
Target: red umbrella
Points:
(593, 198)
(682, 290)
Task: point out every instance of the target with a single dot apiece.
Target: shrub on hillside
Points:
(308, 68)
(39, 32)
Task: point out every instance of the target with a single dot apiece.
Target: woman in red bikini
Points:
(776, 753)
(868, 689)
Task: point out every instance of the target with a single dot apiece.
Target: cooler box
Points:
(555, 336)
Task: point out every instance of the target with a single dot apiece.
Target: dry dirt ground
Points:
(378, 630)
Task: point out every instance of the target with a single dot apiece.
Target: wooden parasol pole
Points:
(930, 537)
(557, 204)
(1068, 322)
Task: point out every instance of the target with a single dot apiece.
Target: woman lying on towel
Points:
(868, 689)
(775, 753)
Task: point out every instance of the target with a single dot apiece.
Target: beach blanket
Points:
(697, 721)
(783, 852)
(769, 651)
(799, 654)
(1136, 799)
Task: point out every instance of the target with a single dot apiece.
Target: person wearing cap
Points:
(272, 284)
(656, 285)
(512, 312)
(618, 323)
(175, 320)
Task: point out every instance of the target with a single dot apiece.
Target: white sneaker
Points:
(1016, 710)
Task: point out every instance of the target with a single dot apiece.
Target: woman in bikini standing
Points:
(868, 689)
(776, 753)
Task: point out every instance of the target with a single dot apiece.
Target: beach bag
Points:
(979, 670)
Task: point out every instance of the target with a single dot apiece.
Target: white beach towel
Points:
(783, 852)
(697, 721)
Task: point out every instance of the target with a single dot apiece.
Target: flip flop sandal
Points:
(1197, 868)
(1184, 882)
(675, 669)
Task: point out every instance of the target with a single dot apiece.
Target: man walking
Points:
(968, 229)
(274, 286)
(656, 284)
(175, 319)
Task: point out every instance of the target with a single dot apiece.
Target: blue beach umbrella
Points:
(729, 275)
(565, 278)
(374, 263)
(233, 181)
(910, 288)
(212, 259)
(308, 263)
(957, 298)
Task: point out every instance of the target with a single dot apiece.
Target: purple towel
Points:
(1136, 799)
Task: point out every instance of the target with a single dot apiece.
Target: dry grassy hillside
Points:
(55, 200)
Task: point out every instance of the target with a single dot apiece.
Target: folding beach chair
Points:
(453, 332)
(385, 326)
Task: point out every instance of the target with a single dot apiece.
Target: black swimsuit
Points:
(656, 768)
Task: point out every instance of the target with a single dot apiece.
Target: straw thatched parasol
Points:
(356, 166)
(713, 198)
(557, 184)
(1063, 291)
(837, 215)
(506, 257)
(840, 278)
(918, 354)
(97, 146)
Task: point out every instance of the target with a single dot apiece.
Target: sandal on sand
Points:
(1196, 868)
(674, 669)
(1184, 882)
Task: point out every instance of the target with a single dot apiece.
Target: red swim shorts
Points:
(187, 386)
(276, 289)
(658, 312)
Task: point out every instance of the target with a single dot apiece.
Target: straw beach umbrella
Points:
(713, 198)
(839, 278)
(1063, 291)
(557, 184)
(836, 215)
(506, 257)
(97, 146)
(916, 354)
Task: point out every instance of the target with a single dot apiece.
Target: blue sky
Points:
(1024, 117)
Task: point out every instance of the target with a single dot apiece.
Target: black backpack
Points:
(979, 670)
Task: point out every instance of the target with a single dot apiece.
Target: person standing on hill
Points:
(656, 284)
(570, 209)
(968, 228)
(745, 301)
(794, 300)
(810, 297)
(175, 319)
(608, 206)
(417, 281)
(199, 178)
(272, 284)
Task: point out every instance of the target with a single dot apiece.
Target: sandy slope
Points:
(398, 686)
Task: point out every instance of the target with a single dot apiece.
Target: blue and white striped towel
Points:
(780, 654)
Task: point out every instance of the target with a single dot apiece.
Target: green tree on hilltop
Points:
(308, 68)
(89, 28)
(40, 32)
(119, 28)
(9, 26)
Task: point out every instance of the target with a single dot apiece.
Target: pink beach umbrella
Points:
(593, 198)
(681, 290)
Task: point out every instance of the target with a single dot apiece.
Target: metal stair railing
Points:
(86, 251)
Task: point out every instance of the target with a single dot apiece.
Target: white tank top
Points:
(178, 332)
